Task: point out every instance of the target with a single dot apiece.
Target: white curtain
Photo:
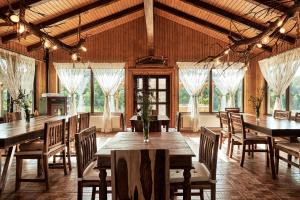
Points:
(16, 72)
(71, 75)
(109, 76)
(193, 77)
(80, 91)
(227, 80)
(279, 72)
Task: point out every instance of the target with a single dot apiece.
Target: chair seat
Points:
(250, 136)
(35, 145)
(199, 173)
(295, 147)
(91, 173)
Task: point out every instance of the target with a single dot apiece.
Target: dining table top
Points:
(159, 117)
(19, 131)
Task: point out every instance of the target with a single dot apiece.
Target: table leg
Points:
(103, 185)
(6, 167)
(187, 184)
(272, 157)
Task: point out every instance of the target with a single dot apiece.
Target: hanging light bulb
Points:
(265, 40)
(83, 48)
(280, 23)
(282, 30)
(227, 51)
(14, 18)
(21, 28)
(54, 47)
(218, 61)
(47, 44)
(74, 57)
(259, 45)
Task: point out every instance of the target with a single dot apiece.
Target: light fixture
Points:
(83, 48)
(265, 40)
(259, 45)
(279, 23)
(21, 28)
(14, 18)
(227, 51)
(74, 57)
(218, 61)
(282, 30)
(47, 44)
(54, 47)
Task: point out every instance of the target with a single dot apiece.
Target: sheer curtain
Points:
(193, 77)
(109, 76)
(227, 80)
(279, 72)
(80, 91)
(16, 72)
(71, 75)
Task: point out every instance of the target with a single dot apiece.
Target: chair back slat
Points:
(224, 120)
(281, 114)
(72, 127)
(208, 150)
(232, 110)
(140, 174)
(84, 121)
(54, 134)
(237, 124)
(12, 116)
(297, 117)
(86, 147)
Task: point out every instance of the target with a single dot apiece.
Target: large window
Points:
(271, 97)
(295, 93)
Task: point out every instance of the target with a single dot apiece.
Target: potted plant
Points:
(256, 101)
(23, 101)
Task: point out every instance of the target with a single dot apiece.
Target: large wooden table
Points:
(180, 154)
(272, 128)
(165, 121)
(18, 132)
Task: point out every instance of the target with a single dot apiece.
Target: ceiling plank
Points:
(273, 4)
(223, 13)
(61, 18)
(200, 22)
(149, 18)
(16, 5)
(93, 24)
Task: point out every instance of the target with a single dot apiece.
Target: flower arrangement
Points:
(257, 101)
(23, 101)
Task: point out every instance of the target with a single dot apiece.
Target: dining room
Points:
(150, 99)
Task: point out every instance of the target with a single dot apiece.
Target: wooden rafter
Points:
(60, 18)
(223, 13)
(149, 18)
(273, 4)
(200, 22)
(16, 5)
(92, 24)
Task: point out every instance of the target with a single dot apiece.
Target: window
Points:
(271, 100)
(4, 101)
(202, 100)
(294, 97)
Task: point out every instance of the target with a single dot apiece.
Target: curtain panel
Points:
(193, 77)
(72, 75)
(109, 77)
(279, 72)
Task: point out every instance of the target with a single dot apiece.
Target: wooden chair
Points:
(155, 126)
(12, 116)
(88, 175)
(184, 122)
(147, 178)
(225, 131)
(232, 110)
(239, 136)
(121, 121)
(84, 121)
(53, 143)
(204, 174)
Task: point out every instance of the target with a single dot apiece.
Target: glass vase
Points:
(146, 131)
(257, 114)
(27, 115)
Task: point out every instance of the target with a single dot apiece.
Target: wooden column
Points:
(46, 60)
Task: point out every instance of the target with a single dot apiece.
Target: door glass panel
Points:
(153, 97)
(152, 83)
(162, 83)
(140, 83)
(162, 96)
(162, 109)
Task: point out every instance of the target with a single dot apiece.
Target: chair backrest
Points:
(184, 121)
(232, 110)
(147, 178)
(86, 147)
(237, 124)
(281, 114)
(120, 117)
(84, 121)
(154, 126)
(224, 120)
(208, 150)
(12, 116)
(72, 127)
(297, 117)
(54, 134)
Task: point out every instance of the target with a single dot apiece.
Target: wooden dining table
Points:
(165, 121)
(180, 154)
(272, 127)
(18, 132)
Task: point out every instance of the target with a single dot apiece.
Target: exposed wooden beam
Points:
(92, 24)
(275, 4)
(223, 13)
(61, 18)
(200, 22)
(16, 5)
(149, 18)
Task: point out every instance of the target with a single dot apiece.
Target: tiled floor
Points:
(251, 182)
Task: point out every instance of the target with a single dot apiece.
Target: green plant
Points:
(23, 100)
(257, 101)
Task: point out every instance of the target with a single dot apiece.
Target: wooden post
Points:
(46, 60)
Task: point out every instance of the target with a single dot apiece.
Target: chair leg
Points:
(243, 155)
(249, 148)
(252, 153)
(69, 156)
(267, 156)
(93, 193)
(228, 146)
(18, 173)
(220, 140)
(46, 171)
(231, 148)
(213, 192)
(276, 161)
(80, 190)
(289, 159)
(201, 194)
(64, 162)
(39, 167)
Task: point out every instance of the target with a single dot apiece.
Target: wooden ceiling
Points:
(213, 17)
